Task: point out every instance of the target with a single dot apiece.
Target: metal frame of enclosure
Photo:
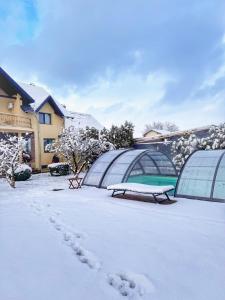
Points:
(118, 165)
(202, 177)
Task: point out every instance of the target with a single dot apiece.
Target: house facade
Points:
(31, 112)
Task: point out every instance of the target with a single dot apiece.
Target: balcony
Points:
(10, 120)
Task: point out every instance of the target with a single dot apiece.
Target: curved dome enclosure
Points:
(203, 176)
(122, 165)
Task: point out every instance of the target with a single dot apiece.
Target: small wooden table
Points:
(75, 182)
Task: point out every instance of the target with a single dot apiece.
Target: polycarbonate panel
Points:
(167, 170)
(195, 188)
(197, 177)
(118, 169)
(219, 187)
(136, 172)
(163, 163)
(94, 175)
(112, 179)
(148, 165)
(150, 170)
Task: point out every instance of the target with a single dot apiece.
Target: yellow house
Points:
(28, 111)
(152, 133)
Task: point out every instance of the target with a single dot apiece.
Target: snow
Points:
(140, 187)
(54, 165)
(84, 244)
(82, 120)
(22, 168)
(38, 93)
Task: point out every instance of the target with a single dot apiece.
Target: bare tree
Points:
(169, 126)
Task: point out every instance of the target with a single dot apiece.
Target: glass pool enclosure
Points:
(142, 166)
(203, 176)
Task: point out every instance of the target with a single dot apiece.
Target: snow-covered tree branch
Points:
(168, 126)
(185, 145)
(11, 148)
(78, 149)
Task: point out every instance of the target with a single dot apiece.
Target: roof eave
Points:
(55, 106)
(17, 87)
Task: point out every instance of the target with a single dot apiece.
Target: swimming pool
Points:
(154, 180)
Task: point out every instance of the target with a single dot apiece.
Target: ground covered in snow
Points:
(83, 244)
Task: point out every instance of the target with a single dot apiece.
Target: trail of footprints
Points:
(72, 239)
(122, 282)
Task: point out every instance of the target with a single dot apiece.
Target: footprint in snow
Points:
(130, 284)
(86, 256)
(68, 236)
(52, 219)
(38, 208)
(58, 226)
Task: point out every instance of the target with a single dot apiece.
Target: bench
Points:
(155, 191)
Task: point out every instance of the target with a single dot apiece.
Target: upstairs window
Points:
(45, 118)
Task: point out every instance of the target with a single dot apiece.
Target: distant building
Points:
(162, 141)
(155, 132)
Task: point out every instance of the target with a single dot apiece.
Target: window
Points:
(48, 142)
(45, 118)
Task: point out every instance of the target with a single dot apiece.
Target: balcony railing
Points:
(14, 120)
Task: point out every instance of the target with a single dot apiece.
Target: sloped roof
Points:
(38, 93)
(81, 120)
(41, 96)
(160, 131)
(10, 86)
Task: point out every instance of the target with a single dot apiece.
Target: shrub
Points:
(22, 172)
(59, 169)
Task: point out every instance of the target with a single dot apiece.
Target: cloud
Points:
(139, 60)
(113, 99)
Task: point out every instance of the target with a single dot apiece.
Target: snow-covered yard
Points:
(83, 244)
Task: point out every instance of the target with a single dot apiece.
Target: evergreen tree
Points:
(120, 136)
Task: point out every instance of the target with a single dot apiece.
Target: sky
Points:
(135, 60)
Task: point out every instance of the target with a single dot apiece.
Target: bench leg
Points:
(167, 196)
(156, 200)
(115, 191)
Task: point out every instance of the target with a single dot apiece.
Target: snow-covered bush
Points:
(59, 169)
(11, 149)
(22, 172)
(77, 149)
(185, 145)
(182, 148)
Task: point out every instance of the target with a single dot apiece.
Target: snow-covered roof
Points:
(81, 120)
(39, 94)
(11, 87)
(160, 131)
